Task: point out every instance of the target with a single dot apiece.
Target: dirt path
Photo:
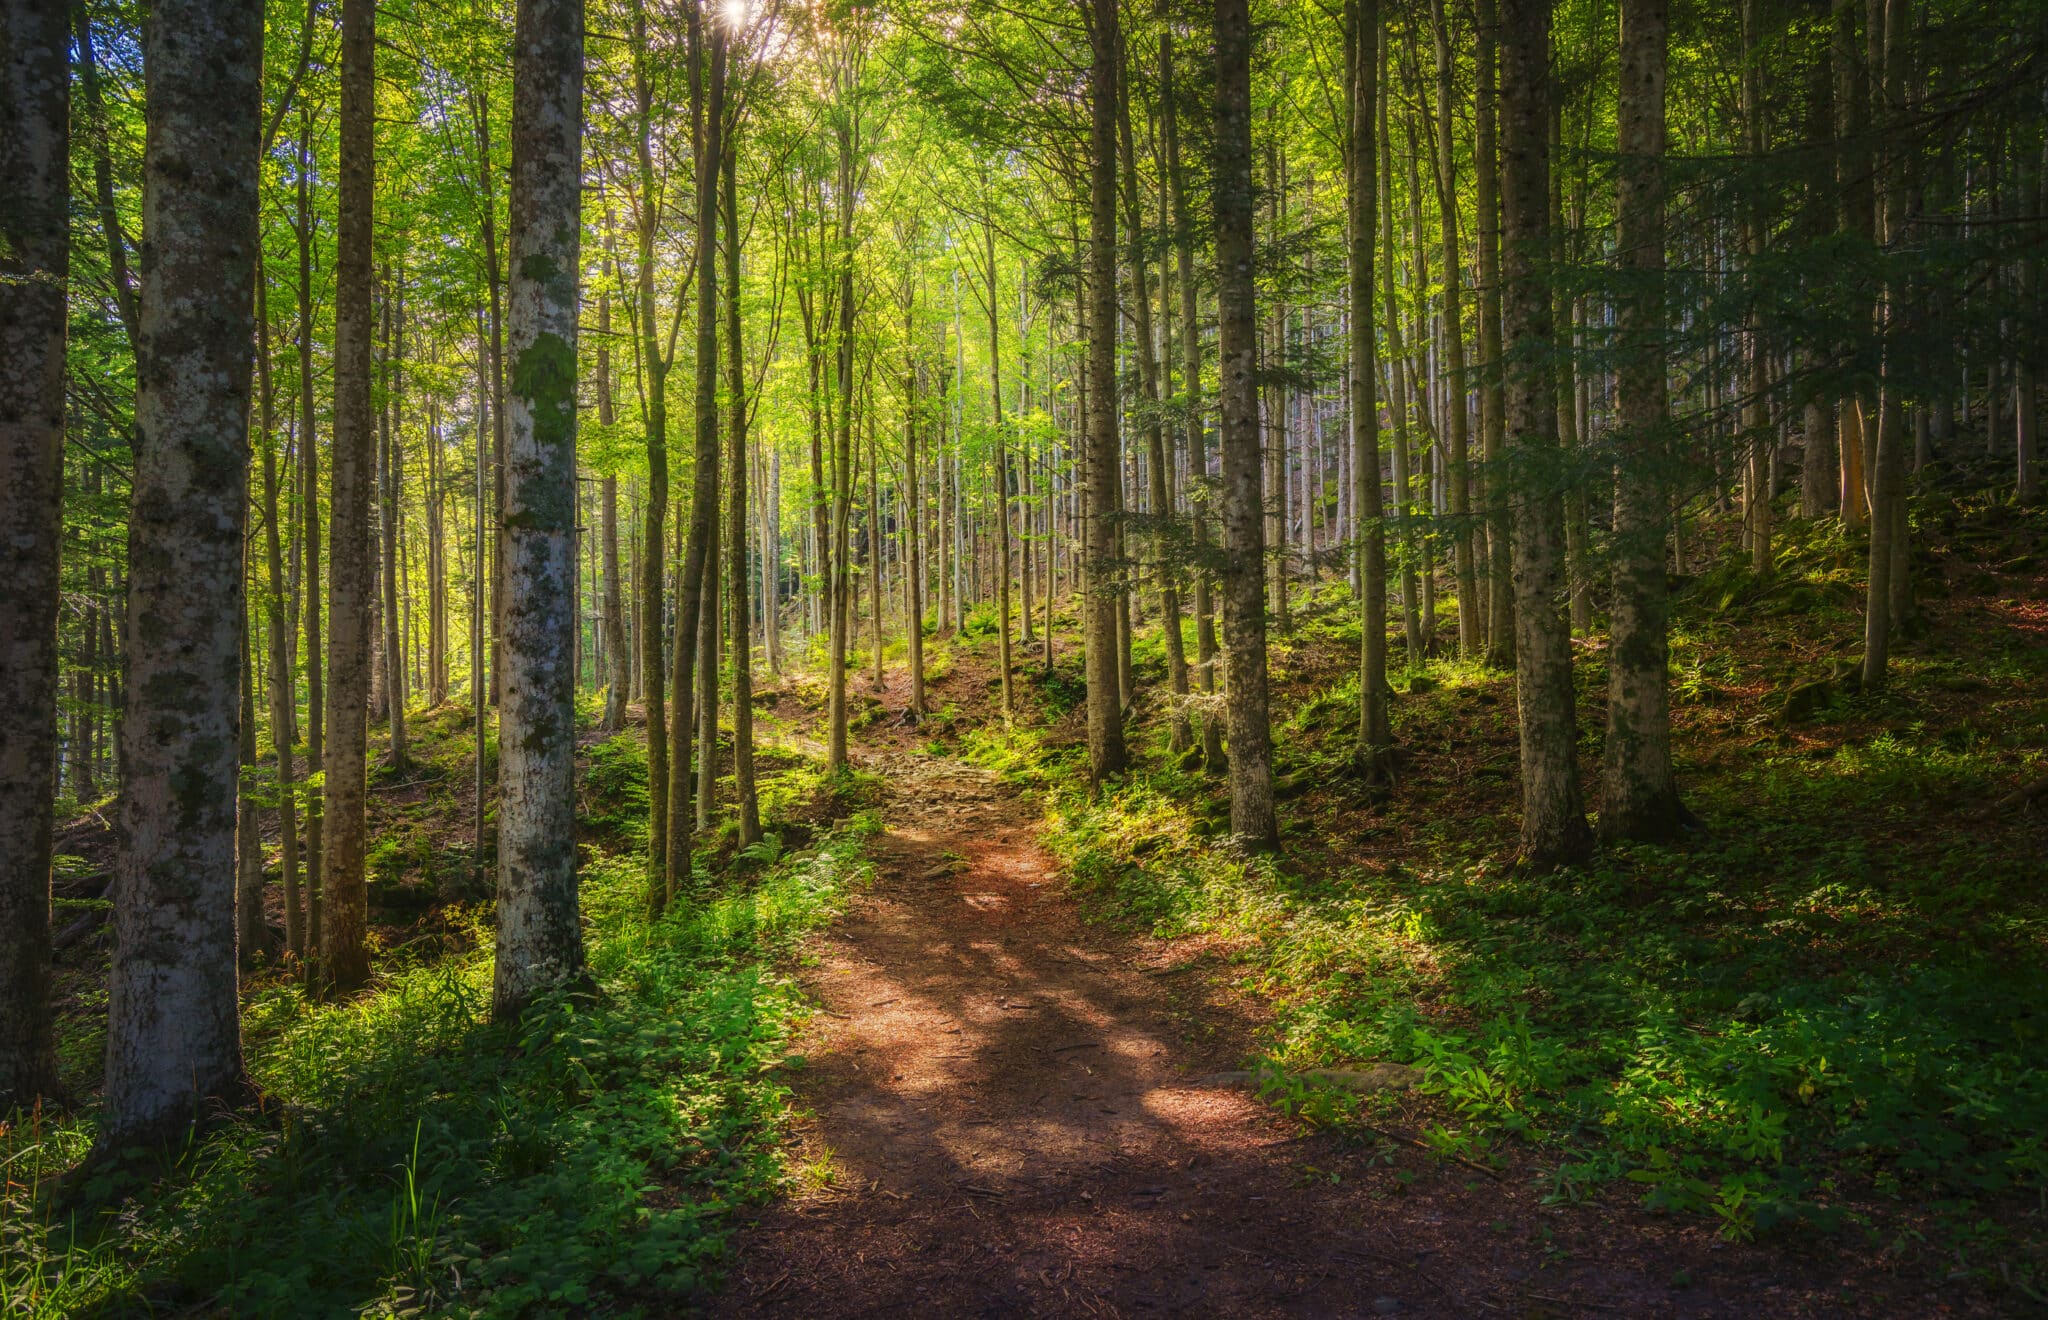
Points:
(1014, 1109)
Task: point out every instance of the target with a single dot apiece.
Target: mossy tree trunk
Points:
(539, 938)
(174, 1045)
(1252, 817)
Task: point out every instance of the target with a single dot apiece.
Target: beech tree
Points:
(174, 1043)
(35, 248)
(1252, 819)
(344, 949)
(1554, 829)
(540, 940)
(1639, 799)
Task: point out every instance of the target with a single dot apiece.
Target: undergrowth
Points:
(415, 1157)
(1824, 1012)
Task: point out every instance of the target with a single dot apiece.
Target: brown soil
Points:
(1014, 1112)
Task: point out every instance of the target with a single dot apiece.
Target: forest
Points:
(1058, 657)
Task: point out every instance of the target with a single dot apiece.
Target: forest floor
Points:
(962, 1037)
(1014, 1110)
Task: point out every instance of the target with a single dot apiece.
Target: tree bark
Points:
(1397, 357)
(1499, 590)
(35, 274)
(1191, 384)
(699, 572)
(617, 649)
(1107, 755)
(1252, 818)
(1471, 623)
(654, 367)
(344, 949)
(736, 527)
(1160, 495)
(1554, 828)
(392, 473)
(1374, 751)
(283, 696)
(173, 1018)
(1639, 799)
(309, 534)
(1888, 564)
(540, 941)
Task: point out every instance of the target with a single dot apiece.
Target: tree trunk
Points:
(35, 272)
(617, 649)
(995, 398)
(1106, 752)
(653, 570)
(1471, 622)
(1853, 180)
(1888, 564)
(344, 949)
(1252, 817)
(283, 696)
(914, 502)
(1374, 752)
(840, 576)
(173, 1018)
(1500, 642)
(1161, 511)
(252, 936)
(310, 594)
(394, 486)
(1553, 818)
(736, 530)
(1639, 798)
(1397, 357)
(540, 940)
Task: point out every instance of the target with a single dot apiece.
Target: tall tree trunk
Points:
(283, 694)
(1158, 489)
(392, 471)
(1252, 818)
(173, 1017)
(252, 936)
(540, 940)
(914, 502)
(35, 274)
(736, 527)
(995, 402)
(1758, 440)
(618, 651)
(1374, 751)
(1888, 563)
(344, 950)
(437, 560)
(708, 116)
(1397, 377)
(1106, 752)
(654, 367)
(1854, 182)
(1471, 622)
(1553, 815)
(1639, 798)
(1499, 590)
(309, 534)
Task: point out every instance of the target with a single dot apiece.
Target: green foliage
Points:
(1767, 1028)
(418, 1158)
